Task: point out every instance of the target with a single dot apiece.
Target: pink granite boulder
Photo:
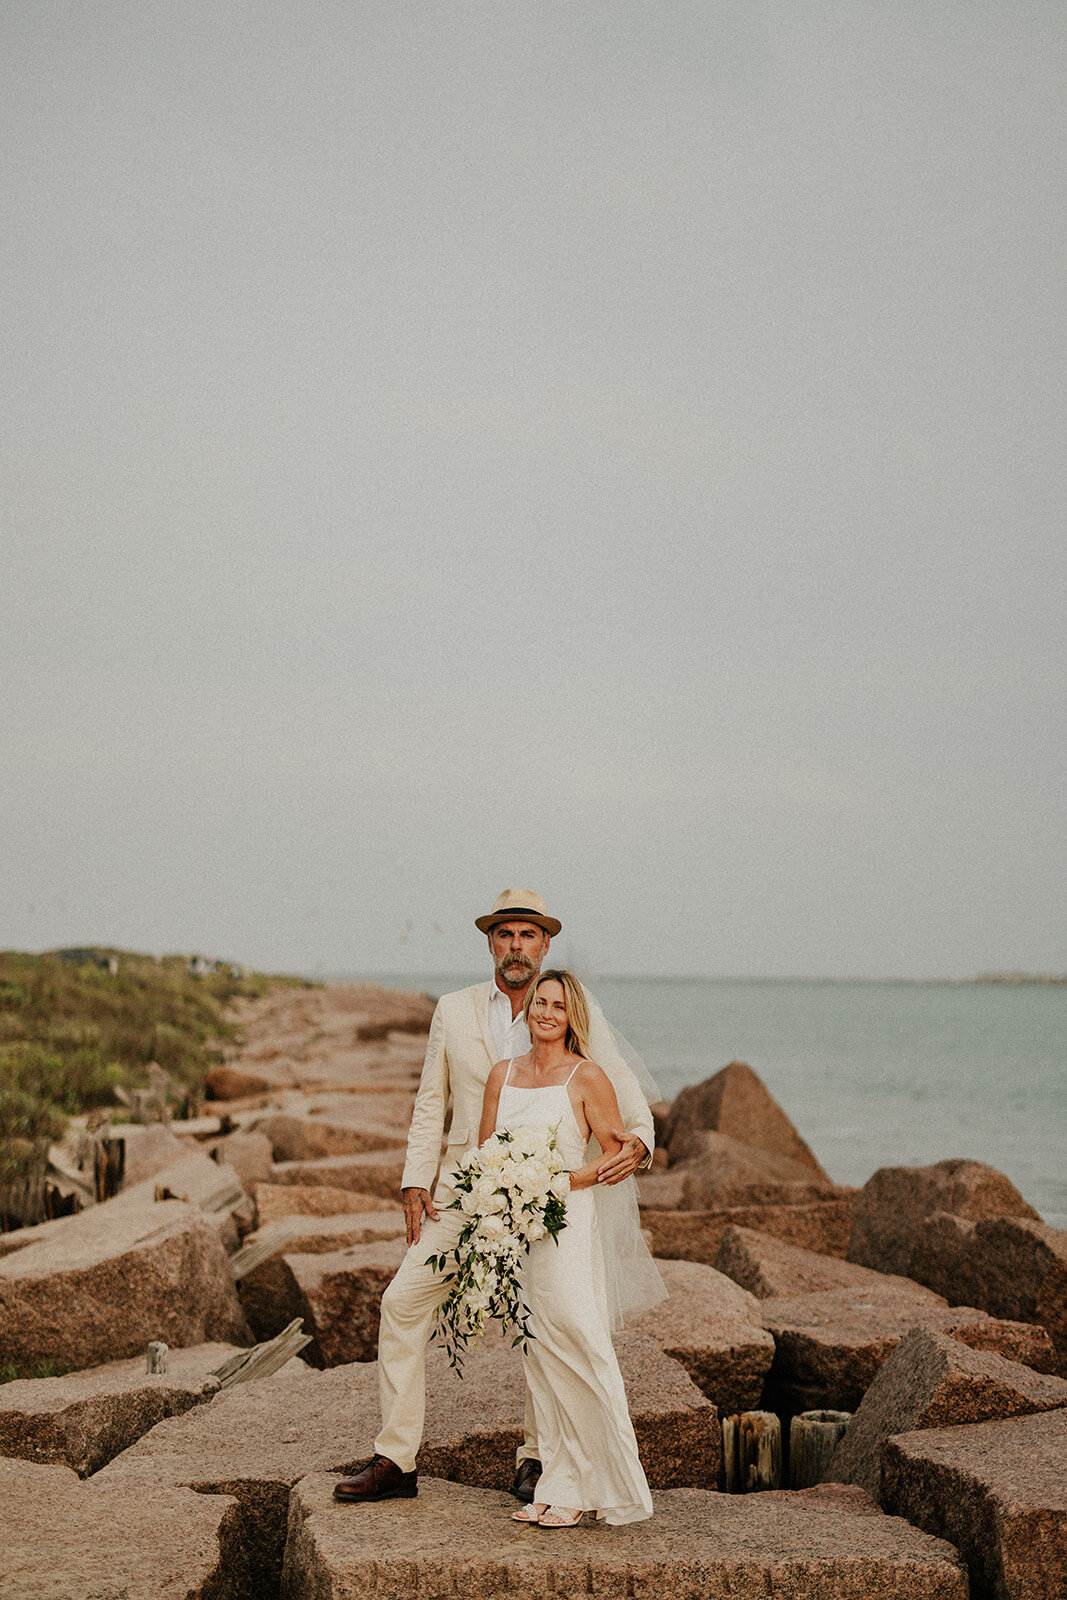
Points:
(822, 1226)
(998, 1491)
(934, 1381)
(112, 1279)
(889, 1211)
(735, 1103)
(713, 1329)
(69, 1540)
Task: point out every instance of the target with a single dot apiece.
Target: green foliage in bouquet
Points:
(512, 1191)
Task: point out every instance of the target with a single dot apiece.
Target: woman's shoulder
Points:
(590, 1073)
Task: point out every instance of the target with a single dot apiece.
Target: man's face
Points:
(518, 950)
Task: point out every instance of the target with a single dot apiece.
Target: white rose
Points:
(487, 1194)
(468, 1203)
(535, 1231)
(532, 1177)
(561, 1184)
(491, 1227)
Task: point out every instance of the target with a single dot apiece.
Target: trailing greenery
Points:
(71, 1032)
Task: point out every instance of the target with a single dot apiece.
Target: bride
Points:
(589, 1454)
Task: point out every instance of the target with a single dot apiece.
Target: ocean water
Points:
(872, 1074)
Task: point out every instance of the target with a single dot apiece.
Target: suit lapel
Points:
(481, 997)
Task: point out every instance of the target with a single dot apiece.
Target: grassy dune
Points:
(70, 1033)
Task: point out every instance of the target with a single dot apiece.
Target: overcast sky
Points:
(617, 449)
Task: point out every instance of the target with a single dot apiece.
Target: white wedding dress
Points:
(586, 1440)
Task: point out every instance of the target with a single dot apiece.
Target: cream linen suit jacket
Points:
(460, 1055)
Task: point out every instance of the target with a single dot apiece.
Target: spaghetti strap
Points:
(507, 1075)
(574, 1069)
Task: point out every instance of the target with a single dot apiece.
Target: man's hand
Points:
(614, 1169)
(417, 1201)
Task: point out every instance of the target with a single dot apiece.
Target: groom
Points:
(471, 1030)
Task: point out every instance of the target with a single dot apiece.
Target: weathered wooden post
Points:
(109, 1166)
(752, 1452)
(813, 1437)
(156, 1356)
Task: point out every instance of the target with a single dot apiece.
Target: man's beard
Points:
(516, 971)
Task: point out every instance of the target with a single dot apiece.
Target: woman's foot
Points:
(563, 1517)
(530, 1513)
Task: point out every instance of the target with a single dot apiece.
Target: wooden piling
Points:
(813, 1437)
(752, 1452)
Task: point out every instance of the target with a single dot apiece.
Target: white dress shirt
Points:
(511, 1037)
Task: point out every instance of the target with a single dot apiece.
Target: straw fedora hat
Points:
(519, 905)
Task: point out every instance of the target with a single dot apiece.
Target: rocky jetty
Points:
(930, 1303)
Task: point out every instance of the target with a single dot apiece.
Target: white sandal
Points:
(564, 1517)
(530, 1513)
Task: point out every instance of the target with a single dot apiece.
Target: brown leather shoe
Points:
(380, 1479)
(526, 1477)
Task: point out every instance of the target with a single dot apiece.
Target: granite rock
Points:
(828, 1543)
(307, 1138)
(115, 1278)
(735, 1102)
(374, 1172)
(270, 1290)
(721, 1171)
(275, 1200)
(248, 1153)
(821, 1225)
(69, 1540)
(1010, 1266)
(474, 1423)
(713, 1329)
(768, 1267)
(339, 1296)
(998, 1491)
(890, 1209)
(934, 1381)
(828, 1346)
(85, 1419)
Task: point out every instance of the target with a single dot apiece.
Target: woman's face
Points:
(548, 1014)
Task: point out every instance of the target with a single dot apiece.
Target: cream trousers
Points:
(408, 1308)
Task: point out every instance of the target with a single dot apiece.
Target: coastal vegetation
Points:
(78, 1030)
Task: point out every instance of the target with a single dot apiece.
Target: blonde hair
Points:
(577, 1036)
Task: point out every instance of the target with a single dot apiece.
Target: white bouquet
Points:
(512, 1191)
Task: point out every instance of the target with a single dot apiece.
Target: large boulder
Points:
(307, 1138)
(1010, 1266)
(374, 1172)
(768, 1267)
(68, 1540)
(822, 1225)
(339, 1296)
(276, 1200)
(149, 1148)
(933, 1381)
(85, 1419)
(722, 1172)
(269, 1291)
(713, 1329)
(828, 1346)
(101, 1285)
(998, 1491)
(736, 1103)
(248, 1153)
(828, 1542)
(474, 1422)
(253, 1442)
(889, 1211)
